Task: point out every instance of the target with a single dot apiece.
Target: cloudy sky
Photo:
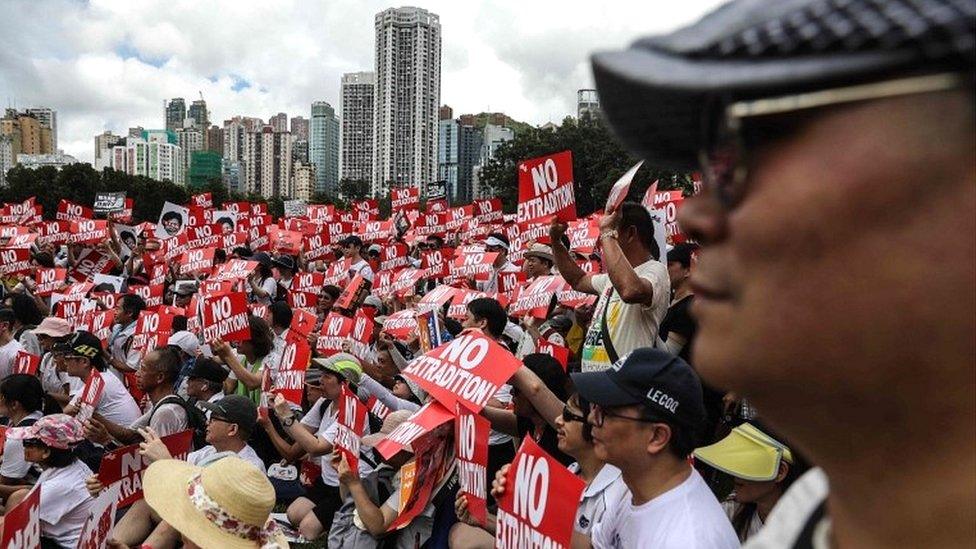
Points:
(109, 64)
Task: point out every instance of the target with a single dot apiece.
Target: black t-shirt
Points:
(678, 320)
(546, 439)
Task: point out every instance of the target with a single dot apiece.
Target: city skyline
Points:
(110, 66)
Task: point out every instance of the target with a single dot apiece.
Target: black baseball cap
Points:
(208, 369)
(658, 94)
(262, 258)
(660, 381)
(85, 344)
(285, 262)
(237, 409)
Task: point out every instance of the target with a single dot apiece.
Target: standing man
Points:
(121, 358)
(352, 248)
(633, 293)
(834, 288)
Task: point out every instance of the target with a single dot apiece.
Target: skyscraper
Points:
(103, 149)
(459, 151)
(279, 122)
(215, 139)
(48, 118)
(267, 163)
(198, 113)
(357, 106)
(299, 127)
(408, 88)
(175, 113)
(323, 150)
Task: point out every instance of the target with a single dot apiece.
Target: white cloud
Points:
(110, 64)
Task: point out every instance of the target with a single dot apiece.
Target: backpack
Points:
(195, 418)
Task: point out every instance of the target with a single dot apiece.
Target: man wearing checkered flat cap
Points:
(835, 285)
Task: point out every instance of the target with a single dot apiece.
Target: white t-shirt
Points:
(8, 355)
(685, 517)
(65, 503)
(14, 465)
(789, 517)
(731, 507)
(313, 418)
(504, 395)
(328, 429)
(53, 381)
(116, 404)
(603, 495)
(491, 285)
(363, 269)
(169, 418)
(117, 343)
(631, 326)
(208, 454)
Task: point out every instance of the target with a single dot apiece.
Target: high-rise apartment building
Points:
(279, 122)
(27, 134)
(199, 114)
(175, 113)
(103, 149)
(190, 138)
(303, 181)
(267, 164)
(323, 147)
(215, 139)
(408, 87)
(157, 159)
(6, 157)
(299, 128)
(587, 104)
(48, 118)
(458, 154)
(358, 109)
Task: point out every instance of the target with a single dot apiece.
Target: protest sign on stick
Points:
(471, 447)
(126, 466)
(225, 317)
(546, 188)
(352, 424)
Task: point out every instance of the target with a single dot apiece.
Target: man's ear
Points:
(784, 469)
(659, 436)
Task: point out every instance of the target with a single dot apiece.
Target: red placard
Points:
(471, 447)
(26, 363)
(152, 294)
(49, 280)
(421, 422)
(153, 329)
(198, 261)
(288, 379)
(352, 424)
(558, 352)
(22, 523)
(350, 294)
(204, 200)
(620, 189)
(335, 329)
(225, 317)
(540, 500)
(101, 519)
(125, 214)
(68, 211)
(488, 210)
(302, 322)
(401, 324)
(234, 270)
(436, 298)
(472, 264)
(394, 256)
(546, 188)
(404, 199)
(126, 465)
(91, 394)
(535, 298)
(436, 263)
(14, 261)
(317, 246)
(88, 231)
(469, 369)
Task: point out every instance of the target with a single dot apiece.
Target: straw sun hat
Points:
(225, 504)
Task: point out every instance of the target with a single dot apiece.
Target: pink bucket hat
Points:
(53, 326)
(57, 431)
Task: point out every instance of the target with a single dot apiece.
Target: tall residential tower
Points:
(357, 107)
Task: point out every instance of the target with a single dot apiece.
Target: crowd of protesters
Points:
(116, 342)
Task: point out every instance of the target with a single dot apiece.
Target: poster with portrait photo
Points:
(127, 237)
(172, 220)
(226, 219)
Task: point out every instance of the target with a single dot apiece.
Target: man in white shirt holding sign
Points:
(645, 412)
(635, 292)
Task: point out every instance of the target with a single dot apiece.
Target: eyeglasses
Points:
(723, 163)
(600, 415)
(214, 417)
(572, 416)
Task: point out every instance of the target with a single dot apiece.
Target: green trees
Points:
(598, 161)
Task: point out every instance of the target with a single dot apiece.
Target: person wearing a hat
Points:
(183, 292)
(352, 248)
(64, 503)
(227, 504)
(821, 130)
(312, 518)
(205, 380)
(311, 420)
(82, 357)
(285, 267)
(496, 243)
(646, 410)
(50, 331)
(264, 287)
(231, 421)
(538, 261)
(762, 469)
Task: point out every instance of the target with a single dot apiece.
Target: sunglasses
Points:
(572, 416)
(723, 162)
(600, 415)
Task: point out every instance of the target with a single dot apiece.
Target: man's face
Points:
(172, 226)
(677, 272)
(219, 430)
(819, 274)
(196, 387)
(121, 315)
(470, 321)
(76, 366)
(619, 442)
(500, 260)
(148, 376)
(533, 267)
